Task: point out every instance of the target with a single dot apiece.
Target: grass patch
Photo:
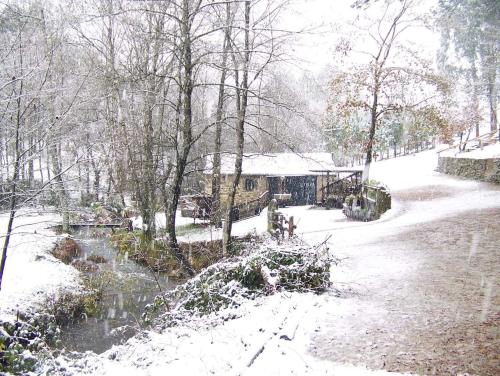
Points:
(188, 229)
(156, 255)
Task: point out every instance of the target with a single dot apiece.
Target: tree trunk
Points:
(15, 178)
(61, 191)
(475, 97)
(187, 135)
(216, 214)
(241, 107)
(492, 103)
(371, 134)
(31, 161)
(148, 210)
(97, 184)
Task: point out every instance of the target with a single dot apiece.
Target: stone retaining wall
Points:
(477, 169)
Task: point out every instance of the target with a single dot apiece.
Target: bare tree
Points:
(37, 84)
(216, 165)
(385, 83)
(241, 101)
(188, 13)
(258, 47)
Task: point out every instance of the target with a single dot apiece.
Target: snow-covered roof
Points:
(281, 164)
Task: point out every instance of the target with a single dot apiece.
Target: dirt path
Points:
(425, 298)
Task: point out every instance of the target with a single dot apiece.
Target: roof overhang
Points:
(340, 169)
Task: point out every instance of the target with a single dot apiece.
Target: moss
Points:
(350, 199)
(70, 308)
(157, 257)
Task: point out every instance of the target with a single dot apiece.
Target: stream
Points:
(128, 288)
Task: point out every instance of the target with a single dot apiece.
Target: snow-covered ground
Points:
(387, 278)
(270, 337)
(32, 274)
(400, 285)
(490, 151)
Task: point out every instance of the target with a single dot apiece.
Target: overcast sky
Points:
(327, 20)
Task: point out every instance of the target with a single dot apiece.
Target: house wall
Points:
(242, 195)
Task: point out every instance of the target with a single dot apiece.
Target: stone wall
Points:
(242, 195)
(477, 169)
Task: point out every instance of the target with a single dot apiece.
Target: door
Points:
(302, 189)
(310, 190)
(273, 185)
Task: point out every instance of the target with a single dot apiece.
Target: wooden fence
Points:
(250, 208)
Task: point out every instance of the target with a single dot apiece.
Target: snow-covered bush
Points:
(20, 339)
(291, 266)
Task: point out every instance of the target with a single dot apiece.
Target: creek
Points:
(127, 288)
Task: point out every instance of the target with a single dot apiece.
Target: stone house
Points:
(303, 179)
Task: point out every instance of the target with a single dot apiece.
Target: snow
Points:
(32, 274)
(270, 336)
(281, 334)
(489, 151)
(280, 164)
(160, 220)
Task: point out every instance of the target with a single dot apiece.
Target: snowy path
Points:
(424, 282)
(420, 285)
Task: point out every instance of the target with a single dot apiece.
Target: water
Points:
(128, 288)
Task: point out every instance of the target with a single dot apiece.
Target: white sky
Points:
(328, 19)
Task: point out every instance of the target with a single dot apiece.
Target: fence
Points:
(250, 208)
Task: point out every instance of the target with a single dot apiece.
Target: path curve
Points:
(423, 292)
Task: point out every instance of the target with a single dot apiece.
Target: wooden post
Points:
(281, 227)
(327, 184)
(291, 227)
(271, 214)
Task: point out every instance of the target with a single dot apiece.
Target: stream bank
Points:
(126, 287)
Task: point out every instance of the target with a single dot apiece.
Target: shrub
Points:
(67, 250)
(21, 338)
(350, 199)
(269, 268)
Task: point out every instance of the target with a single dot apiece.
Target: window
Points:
(250, 184)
